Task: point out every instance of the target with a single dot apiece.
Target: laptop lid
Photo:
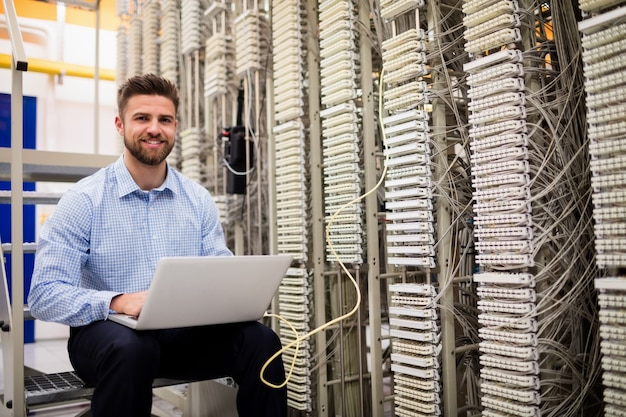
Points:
(203, 290)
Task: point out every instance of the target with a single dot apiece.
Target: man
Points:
(98, 251)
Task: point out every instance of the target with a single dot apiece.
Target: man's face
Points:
(148, 128)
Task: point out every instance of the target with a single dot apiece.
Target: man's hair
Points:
(146, 84)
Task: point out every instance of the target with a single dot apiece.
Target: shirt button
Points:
(154, 237)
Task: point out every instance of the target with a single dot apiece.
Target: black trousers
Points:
(122, 363)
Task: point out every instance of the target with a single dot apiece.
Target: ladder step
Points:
(32, 197)
(28, 247)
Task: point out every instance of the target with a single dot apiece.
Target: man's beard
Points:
(145, 156)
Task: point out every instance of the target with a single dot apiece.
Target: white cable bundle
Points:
(190, 26)
(134, 46)
(150, 32)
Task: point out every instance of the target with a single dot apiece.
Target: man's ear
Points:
(119, 125)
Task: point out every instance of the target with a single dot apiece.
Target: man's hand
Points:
(130, 303)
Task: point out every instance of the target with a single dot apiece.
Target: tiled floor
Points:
(50, 356)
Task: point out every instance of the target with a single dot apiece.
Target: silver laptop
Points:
(203, 290)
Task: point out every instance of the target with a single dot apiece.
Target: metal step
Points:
(32, 197)
(28, 247)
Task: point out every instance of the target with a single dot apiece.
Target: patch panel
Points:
(497, 167)
(520, 294)
(484, 62)
(613, 364)
(499, 220)
(425, 262)
(510, 260)
(616, 180)
(409, 35)
(607, 147)
(609, 214)
(412, 311)
(497, 72)
(607, 82)
(499, 113)
(408, 148)
(414, 348)
(600, 69)
(332, 11)
(510, 379)
(510, 307)
(527, 367)
(419, 215)
(407, 181)
(502, 21)
(411, 226)
(606, 165)
(426, 337)
(504, 247)
(527, 397)
(613, 333)
(613, 380)
(615, 397)
(411, 238)
(606, 115)
(510, 180)
(499, 130)
(407, 73)
(344, 148)
(498, 8)
(605, 98)
(428, 397)
(411, 250)
(407, 101)
(504, 207)
(473, 6)
(514, 233)
(505, 349)
(415, 360)
(407, 160)
(390, 9)
(495, 87)
(413, 136)
(514, 99)
(502, 194)
(345, 177)
(496, 39)
(408, 58)
(399, 172)
(510, 407)
(426, 408)
(611, 260)
(419, 384)
(606, 51)
(406, 116)
(525, 324)
(608, 198)
(416, 372)
(607, 300)
(618, 284)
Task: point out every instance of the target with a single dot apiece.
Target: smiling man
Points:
(96, 256)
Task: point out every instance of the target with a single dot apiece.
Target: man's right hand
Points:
(130, 303)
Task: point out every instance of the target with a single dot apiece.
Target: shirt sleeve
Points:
(62, 250)
(213, 242)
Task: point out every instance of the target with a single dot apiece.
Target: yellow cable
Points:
(357, 304)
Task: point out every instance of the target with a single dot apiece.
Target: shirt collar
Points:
(126, 185)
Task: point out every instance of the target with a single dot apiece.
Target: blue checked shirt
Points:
(106, 236)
